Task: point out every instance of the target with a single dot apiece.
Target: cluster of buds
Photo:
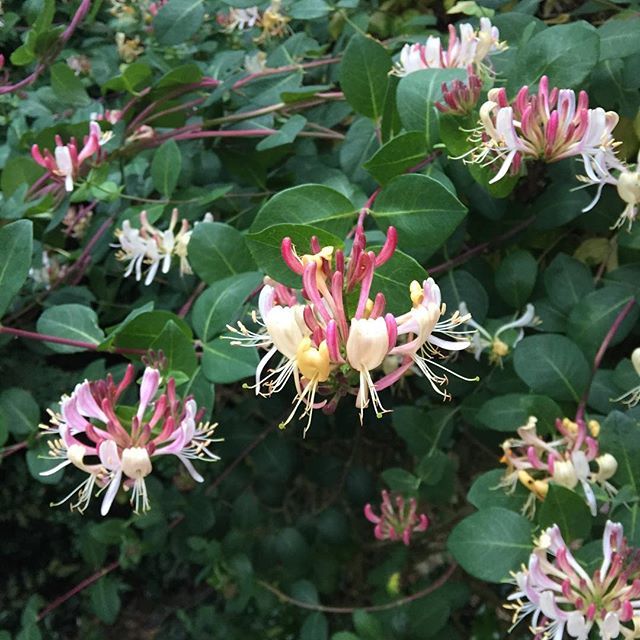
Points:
(396, 522)
(561, 596)
(331, 352)
(471, 48)
(65, 164)
(549, 126)
(565, 461)
(114, 444)
(482, 340)
(632, 397)
(606, 168)
(460, 98)
(150, 246)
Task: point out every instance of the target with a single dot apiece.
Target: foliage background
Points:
(280, 511)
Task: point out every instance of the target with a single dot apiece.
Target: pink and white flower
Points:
(572, 458)
(65, 165)
(469, 49)
(396, 522)
(328, 351)
(550, 126)
(94, 436)
(561, 597)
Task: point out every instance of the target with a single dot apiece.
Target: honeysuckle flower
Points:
(396, 522)
(483, 340)
(50, 272)
(77, 219)
(561, 597)
(566, 460)
(154, 7)
(470, 48)
(309, 336)
(79, 64)
(632, 397)
(150, 246)
(93, 435)
(255, 63)
(65, 164)
(459, 97)
(606, 168)
(128, 48)
(550, 126)
(239, 19)
(273, 22)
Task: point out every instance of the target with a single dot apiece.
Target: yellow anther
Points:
(368, 307)
(313, 363)
(416, 292)
(594, 428)
(570, 426)
(499, 349)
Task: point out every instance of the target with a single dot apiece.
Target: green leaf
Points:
(367, 625)
(364, 75)
(552, 365)
(491, 543)
(486, 492)
(38, 461)
(183, 74)
(620, 436)
(401, 480)
(568, 510)
(592, 317)
(566, 53)
(265, 248)
(619, 38)
(178, 20)
(105, 600)
(217, 251)
(166, 167)
(393, 279)
(460, 286)
(423, 211)
(398, 155)
(630, 520)
(20, 411)
(16, 240)
(315, 625)
(71, 321)
(141, 330)
(567, 281)
(177, 349)
(516, 277)
(417, 93)
(309, 204)
(220, 304)
(285, 135)
(510, 411)
(67, 86)
(223, 362)
(134, 77)
(309, 9)
(558, 205)
(432, 466)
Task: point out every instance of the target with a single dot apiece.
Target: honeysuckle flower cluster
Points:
(77, 220)
(460, 98)
(606, 168)
(470, 48)
(149, 246)
(396, 521)
(114, 445)
(560, 596)
(482, 340)
(632, 397)
(65, 164)
(566, 460)
(550, 126)
(129, 49)
(312, 339)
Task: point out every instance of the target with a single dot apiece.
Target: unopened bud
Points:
(564, 474)
(607, 467)
(136, 463)
(629, 186)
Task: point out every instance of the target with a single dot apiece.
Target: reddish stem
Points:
(597, 361)
(14, 448)
(286, 69)
(366, 207)
(87, 582)
(42, 337)
(481, 248)
(192, 298)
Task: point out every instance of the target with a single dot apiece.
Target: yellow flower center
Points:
(313, 363)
